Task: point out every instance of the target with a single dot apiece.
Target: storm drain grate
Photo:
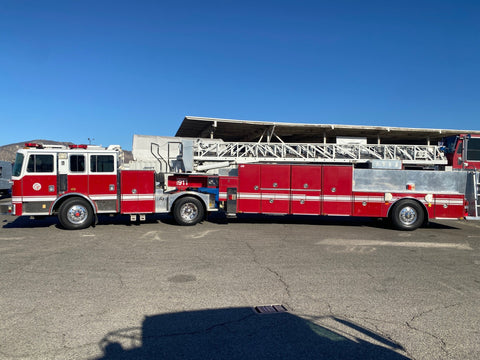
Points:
(270, 309)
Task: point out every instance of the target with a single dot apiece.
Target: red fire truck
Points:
(190, 177)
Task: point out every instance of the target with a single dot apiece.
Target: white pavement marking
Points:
(472, 224)
(202, 234)
(12, 238)
(346, 242)
(451, 288)
(152, 235)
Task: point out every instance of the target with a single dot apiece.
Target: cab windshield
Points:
(17, 167)
(449, 144)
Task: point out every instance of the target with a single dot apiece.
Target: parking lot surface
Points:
(349, 288)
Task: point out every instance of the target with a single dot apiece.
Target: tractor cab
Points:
(463, 151)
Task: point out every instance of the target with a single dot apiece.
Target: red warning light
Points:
(33, 145)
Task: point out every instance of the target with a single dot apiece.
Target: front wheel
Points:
(407, 215)
(188, 211)
(75, 214)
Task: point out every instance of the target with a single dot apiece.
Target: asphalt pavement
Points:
(344, 288)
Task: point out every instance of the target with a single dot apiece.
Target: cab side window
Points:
(39, 163)
(473, 150)
(77, 163)
(102, 163)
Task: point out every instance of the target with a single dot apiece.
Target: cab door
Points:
(39, 183)
(77, 181)
(102, 181)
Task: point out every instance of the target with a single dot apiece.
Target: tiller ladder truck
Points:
(190, 177)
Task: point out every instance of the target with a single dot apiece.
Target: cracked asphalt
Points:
(353, 289)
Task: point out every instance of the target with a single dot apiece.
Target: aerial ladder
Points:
(173, 155)
(341, 152)
(242, 152)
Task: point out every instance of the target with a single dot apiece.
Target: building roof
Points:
(252, 131)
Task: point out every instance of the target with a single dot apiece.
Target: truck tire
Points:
(75, 214)
(407, 215)
(188, 211)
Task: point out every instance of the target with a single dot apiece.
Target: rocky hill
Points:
(7, 152)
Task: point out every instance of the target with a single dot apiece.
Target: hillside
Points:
(7, 152)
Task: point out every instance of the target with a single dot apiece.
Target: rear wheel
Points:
(407, 215)
(188, 211)
(75, 213)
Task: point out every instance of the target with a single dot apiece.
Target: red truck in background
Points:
(463, 151)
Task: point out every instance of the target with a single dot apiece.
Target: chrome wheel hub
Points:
(189, 212)
(77, 214)
(408, 215)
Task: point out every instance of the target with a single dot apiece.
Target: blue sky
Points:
(73, 70)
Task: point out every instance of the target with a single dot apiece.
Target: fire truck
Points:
(190, 177)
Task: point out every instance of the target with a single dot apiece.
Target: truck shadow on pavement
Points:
(241, 333)
(220, 219)
(351, 221)
(27, 222)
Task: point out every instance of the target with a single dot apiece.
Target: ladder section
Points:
(243, 152)
(476, 195)
(473, 195)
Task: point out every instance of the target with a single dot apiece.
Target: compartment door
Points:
(275, 188)
(306, 189)
(337, 190)
(138, 192)
(248, 188)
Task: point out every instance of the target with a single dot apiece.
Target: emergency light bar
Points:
(33, 145)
